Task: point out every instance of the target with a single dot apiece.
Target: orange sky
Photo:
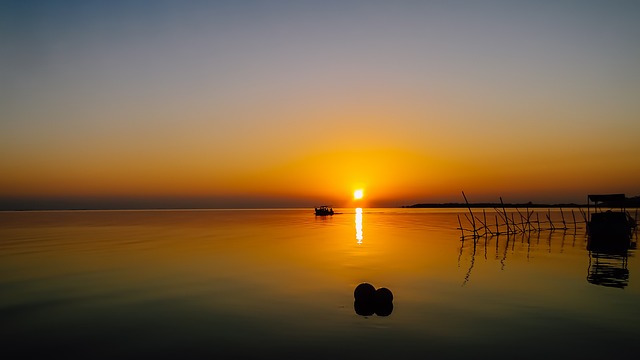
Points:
(305, 103)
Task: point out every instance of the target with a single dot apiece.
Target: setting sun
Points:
(357, 195)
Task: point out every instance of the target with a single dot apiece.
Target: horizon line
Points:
(447, 205)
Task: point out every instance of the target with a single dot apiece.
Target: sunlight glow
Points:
(358, 194)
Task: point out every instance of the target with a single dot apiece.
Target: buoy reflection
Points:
(359, 225)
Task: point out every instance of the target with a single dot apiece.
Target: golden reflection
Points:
(359, 225)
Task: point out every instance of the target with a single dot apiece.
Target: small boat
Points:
(610, 233)
(324, 210)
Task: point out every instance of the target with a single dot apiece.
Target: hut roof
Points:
(606, 197)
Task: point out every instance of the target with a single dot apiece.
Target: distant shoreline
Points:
(492, 205)
(629, 203)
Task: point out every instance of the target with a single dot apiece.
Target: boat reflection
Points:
(359, 235)
(608, 260)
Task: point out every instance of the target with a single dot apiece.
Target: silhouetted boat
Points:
(610, 225)
(324, 210)
(610, 237)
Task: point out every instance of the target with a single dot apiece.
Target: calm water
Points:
(279, 284)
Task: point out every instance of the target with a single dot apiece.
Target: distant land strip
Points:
(632, 202)
(494, 205)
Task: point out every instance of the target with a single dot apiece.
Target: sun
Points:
(358, 194)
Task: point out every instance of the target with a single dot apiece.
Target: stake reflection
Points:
(359, 225)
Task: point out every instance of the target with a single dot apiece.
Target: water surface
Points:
(280, 283)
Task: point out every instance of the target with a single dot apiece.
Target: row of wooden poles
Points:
(515, 222)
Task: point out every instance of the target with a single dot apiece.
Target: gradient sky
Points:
(297, 103)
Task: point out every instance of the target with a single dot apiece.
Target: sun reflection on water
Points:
(359, 225)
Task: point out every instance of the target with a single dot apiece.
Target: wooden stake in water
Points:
(523, 220)
(484, 215)
(513, 221)
(484, 224)
(584, 216)
(506, 218)
(473, 220)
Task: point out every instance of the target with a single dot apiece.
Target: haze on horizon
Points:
(299, 103)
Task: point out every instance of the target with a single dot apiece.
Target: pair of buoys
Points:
(369, 301)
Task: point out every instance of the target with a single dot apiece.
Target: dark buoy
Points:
(370, 301)
(384, 295)
(364, 292)
(384, 309)
(364, 308)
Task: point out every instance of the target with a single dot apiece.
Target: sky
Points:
(299, 103)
